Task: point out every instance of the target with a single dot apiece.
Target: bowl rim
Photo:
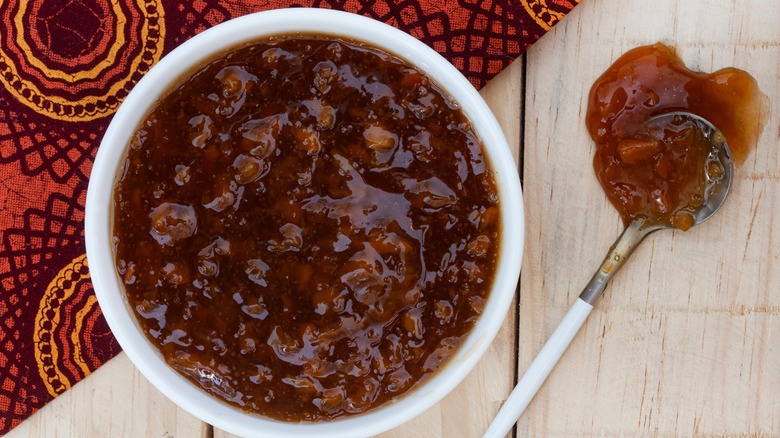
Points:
(193, 53)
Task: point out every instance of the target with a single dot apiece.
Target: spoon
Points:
(717, 188)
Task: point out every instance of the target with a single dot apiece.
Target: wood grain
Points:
(115, 401)
(682, 342)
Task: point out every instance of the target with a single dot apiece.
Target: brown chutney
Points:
(658, 172)
(306, 227)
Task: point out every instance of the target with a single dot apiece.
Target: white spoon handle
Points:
(552, 350)
(539, 370)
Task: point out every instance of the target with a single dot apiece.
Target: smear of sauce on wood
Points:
(661, 175)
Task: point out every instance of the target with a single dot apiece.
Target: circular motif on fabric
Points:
(68, 326)
(77, 60)
(548, 12)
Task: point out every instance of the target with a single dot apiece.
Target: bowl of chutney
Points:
(304, 222)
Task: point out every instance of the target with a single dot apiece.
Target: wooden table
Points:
(686, 340)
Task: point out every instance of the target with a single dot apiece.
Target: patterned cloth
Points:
(65, 66)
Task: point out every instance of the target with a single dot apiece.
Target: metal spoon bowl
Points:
(715, 194)
(717, 188)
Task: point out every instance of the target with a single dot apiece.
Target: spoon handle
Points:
(540, 368)
(618, 254)
(553, 349)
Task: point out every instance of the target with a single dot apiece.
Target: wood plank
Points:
(116, 400)
(682, 342)
(467, 411)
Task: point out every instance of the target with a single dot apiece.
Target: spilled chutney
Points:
(306, 227)
(660, 172)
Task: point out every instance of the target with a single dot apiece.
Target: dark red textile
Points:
(65, 66)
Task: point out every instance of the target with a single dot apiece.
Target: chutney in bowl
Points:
(321, 227)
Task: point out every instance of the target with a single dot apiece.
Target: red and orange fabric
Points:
(65, 66)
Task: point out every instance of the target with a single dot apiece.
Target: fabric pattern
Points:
(65, 66)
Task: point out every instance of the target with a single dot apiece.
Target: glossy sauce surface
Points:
(659, 172)
(306, 227)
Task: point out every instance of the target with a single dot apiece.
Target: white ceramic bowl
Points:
(111, 155)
